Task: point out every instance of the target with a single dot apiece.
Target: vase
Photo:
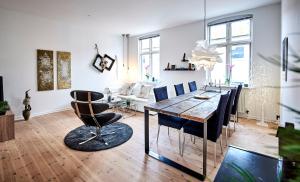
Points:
(26, 114)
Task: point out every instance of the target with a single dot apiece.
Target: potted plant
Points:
(3, 107)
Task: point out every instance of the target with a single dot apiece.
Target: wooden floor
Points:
(38, 153)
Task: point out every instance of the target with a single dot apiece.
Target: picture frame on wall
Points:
(45, 72)
(63, 70)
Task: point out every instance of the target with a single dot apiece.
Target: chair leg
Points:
(168, 131)
(194, 140)
(226, 134)
(221, 144)
(183, 143)
(215, 153)
(179, 143)
(158, 133)
(95, 135)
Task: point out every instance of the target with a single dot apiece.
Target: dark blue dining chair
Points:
(179, 89)
(161, 94)
(214, 126)
(192, 86)
(234, 111)
(227, 116)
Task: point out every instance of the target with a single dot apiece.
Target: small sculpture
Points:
(26, 102)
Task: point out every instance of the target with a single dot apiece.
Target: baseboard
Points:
(20, 117)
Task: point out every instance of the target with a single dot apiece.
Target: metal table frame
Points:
(169, 161)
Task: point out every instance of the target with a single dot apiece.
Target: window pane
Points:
(145, 45)
(218, 34)
(240, 59)
(155, 66)
(240, 30)
(155, 43)
(219, 72)
(146, 67)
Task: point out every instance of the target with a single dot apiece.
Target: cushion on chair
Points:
(160, 93)
(179, 89)
(103, 119)
(192, 86)
(171, 121)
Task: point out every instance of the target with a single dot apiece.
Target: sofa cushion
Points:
(126, 89)
(136, 89)
(145, 91)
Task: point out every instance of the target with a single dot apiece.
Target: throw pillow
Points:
(145, 91)
(126, 89)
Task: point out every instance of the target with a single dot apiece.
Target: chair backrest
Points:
(229, 106)
(160, 93)
(192, 86)
(236, 100)
(83, 95)
(83, 103)
(179, 89)
(215, 124)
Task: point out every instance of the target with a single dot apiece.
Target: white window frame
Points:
(229, 43)
(150, 53)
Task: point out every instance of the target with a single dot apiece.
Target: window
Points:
(233, 39)
(149, 58)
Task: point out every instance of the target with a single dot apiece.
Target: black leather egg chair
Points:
(90, 112)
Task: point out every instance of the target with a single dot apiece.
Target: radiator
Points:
(242, 102)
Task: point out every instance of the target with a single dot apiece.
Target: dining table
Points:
(196, 106)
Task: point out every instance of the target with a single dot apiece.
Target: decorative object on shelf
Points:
(184, 59)
(102, 62)
(108, 93)
(63, 70)
(45, 70)
(3, 107)
(26, 102)
(205, 55)
(168, 67)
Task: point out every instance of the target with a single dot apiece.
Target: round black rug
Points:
(114, 135)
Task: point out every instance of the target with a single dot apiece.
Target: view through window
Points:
(149, 58)
(233, 40)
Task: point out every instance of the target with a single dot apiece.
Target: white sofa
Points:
(139, 94)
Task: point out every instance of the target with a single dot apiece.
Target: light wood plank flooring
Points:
(38, 153)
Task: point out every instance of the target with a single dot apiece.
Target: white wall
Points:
(290, 96)
(20, 36)
(266, 31)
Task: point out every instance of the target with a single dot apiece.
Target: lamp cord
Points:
(204, 25)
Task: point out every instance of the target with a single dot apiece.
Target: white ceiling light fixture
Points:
(205, 55)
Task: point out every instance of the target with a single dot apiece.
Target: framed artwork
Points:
(63, 70)
(102, 63)
(45, 75)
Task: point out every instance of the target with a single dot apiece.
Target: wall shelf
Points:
(179, 70)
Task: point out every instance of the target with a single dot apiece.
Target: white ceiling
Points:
(130, 16)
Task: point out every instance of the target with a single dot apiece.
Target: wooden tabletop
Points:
(188, 107)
